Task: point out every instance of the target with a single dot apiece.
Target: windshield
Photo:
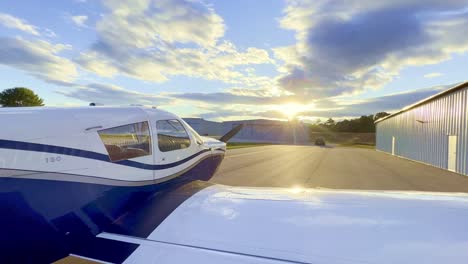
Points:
(194, 133)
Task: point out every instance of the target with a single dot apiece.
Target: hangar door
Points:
(452, 153)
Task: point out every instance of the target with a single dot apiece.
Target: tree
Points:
(19, 96)
(380, 115)
(366, 124)
(363, 124)
(330, 122)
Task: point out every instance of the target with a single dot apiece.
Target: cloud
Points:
(433, 75)
(156, 40)
(229, 98)
(387, 103)
(92, 61)
(80, 20)
(241, 96)
(344, 47)
(109, 94)
(10, 21)
(39, 58)
(49, 33)
(160, 65)
(223, 114)
(141, 23)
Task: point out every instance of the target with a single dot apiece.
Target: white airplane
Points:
(129, 185)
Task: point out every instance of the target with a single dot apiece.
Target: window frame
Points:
(185, 130)
(193, 133)
(150, 141)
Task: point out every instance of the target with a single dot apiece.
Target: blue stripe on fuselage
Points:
(20, 145)
(45, 220)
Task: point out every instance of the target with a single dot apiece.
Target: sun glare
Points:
(296, 189)
(291, 110)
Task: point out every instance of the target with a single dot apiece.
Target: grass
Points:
(235, 145)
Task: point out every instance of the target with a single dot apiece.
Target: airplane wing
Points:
(200, 222)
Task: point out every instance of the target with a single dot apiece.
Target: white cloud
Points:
(109, 94)
(49, 33)
(345, 47)
(433, 75)
(92, 61)
(80, 20)
(39, 58)
(156, 40)
(144, 23)
(10, 21)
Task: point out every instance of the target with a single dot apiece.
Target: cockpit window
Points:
(127, 142)
(197, 137)
(171, 135)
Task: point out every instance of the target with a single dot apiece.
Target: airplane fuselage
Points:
(68, 174)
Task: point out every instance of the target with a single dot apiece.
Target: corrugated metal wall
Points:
(428, 141)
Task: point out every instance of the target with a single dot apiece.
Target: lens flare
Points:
(296, 189)
(291, 110)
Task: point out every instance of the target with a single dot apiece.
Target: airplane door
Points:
(172, 144)
(452, 153)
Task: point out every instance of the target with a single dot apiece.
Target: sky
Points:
(230, 60)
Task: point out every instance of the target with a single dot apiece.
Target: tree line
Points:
(363, 124)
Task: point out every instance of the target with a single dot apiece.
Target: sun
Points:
(291, 110)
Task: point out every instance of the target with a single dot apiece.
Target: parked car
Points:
(319, 142)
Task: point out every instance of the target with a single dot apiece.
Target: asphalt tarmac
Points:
(332, 167)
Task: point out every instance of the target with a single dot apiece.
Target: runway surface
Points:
(336, 168)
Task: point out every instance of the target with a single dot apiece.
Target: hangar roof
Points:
(426, 100)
